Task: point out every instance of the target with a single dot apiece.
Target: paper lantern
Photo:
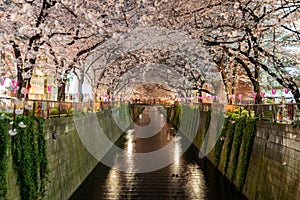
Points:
(286, 91)
(49, 88)
(273, 91)
(240, 97)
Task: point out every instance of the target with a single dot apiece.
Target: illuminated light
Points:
(113, 184)
(130, 147)
(240, 97)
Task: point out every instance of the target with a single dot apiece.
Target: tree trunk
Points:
(61, 96)
(256, 88)
(296, 95)
(80, 78)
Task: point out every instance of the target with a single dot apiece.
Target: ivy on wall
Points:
(248, 141)
(238, 131)
(229, 139)
(238, 136)
(29, 156)
(3, 155)
(220, 142)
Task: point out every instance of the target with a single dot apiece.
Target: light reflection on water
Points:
(182, 179)
(113, 184)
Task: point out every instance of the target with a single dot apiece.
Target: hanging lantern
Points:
(273, 91)
(49, 88)
(240, 97)
(254, 96)
(262, 94)
(286, 91)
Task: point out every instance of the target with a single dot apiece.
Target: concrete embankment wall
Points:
(69, 162)
(272, 170)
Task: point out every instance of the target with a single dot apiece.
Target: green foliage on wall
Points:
(238, 136)
(229, 140)
(248, 141)
(29, 156)
(238, 131)
(3, 155)
(220, 142)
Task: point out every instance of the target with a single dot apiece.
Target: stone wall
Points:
(69, 162)
(274, 170)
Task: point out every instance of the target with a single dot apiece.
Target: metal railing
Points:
(51, 109)
(280, 112)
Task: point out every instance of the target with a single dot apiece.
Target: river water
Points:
(183, 178)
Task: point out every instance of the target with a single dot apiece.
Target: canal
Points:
(183, 178)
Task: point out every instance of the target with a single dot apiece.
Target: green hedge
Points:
(238, 131)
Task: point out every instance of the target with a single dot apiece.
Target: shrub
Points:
(245, 113)
(53, 111)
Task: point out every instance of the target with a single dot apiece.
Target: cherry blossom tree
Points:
(243, 37)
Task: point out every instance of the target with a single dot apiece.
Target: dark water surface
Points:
(182, 179)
